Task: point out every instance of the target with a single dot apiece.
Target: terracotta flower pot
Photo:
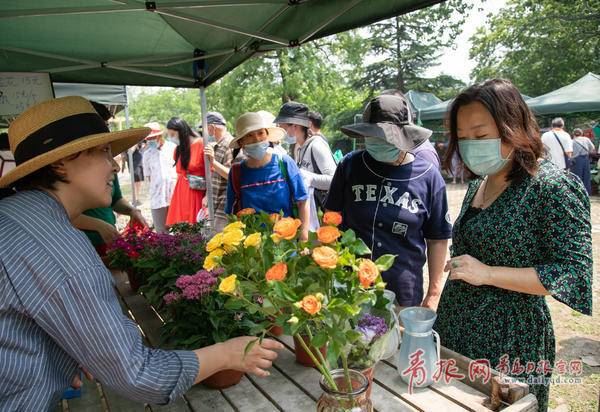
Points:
(223, 379)
(302, 357)
(276, 330)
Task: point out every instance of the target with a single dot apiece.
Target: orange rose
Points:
(332, 218)
(274, 217)
(245, 212)
(367, 272)
(325, 257)
(277, 272)
(328, 234)
(310, 304)
(287, 227)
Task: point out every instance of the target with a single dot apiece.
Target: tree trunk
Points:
(283, 72)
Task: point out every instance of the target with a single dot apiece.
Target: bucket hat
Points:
(155, 129)
(388, 117)
(252, 121)
(293, 113)
(57, 128)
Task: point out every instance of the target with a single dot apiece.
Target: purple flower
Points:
(371, 327)
(171, 297)
(197, 285)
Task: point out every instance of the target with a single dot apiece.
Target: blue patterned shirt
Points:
(58, 310)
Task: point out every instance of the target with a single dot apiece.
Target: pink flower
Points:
(171, 297)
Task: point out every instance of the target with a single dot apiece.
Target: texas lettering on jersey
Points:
(386, 194)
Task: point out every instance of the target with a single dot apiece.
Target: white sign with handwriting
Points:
(19, 91)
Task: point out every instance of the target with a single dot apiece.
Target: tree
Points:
(540, 45)
(407, 45)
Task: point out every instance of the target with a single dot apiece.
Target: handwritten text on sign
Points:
(19, 91)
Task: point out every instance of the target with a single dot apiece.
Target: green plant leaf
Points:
(249, 346)
(320, 339)
(349, 237)
(360, 248)
(384, 262)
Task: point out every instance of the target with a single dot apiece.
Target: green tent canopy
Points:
(438, 111)
(580, 96)
(187, 43)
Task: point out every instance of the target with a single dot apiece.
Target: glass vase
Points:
(353, 399)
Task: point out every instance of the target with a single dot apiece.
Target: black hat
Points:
(215, 118)
(388, 117)
(293, 113)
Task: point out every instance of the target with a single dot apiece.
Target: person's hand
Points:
(257, 360)
(204, 202)
(136, 217)
(431, 302)
(107, 232)
(76, 382)
(210, 154)
(468, 269)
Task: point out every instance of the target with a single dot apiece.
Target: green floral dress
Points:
(541, 222)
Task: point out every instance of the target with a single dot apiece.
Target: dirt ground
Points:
(577, 335)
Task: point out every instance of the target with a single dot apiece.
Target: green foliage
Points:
(161, 106)
(408, 45)
(540, 45)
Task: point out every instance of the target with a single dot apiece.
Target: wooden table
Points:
(290, 387)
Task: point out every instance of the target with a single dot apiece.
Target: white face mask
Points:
(173, 139)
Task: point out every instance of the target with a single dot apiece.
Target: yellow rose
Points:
(210, 262)
(233, 237)
(276, 239)
(229, 284)
(293, 320)
(215, 242)
(234, 225)
(252, 240)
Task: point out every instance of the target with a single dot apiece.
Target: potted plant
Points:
(316, 289)
(198, 316)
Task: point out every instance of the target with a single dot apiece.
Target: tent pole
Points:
(130, 159)
(207, 171)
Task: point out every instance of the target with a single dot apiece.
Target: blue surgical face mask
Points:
(289, 139)
(256, 150)
(152, 144)
(482, 156)
(381, 150)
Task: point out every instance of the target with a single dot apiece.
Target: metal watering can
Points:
(419, 355)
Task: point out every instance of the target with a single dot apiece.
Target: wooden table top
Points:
(290, 387)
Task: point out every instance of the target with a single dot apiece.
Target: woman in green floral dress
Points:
(523, 233)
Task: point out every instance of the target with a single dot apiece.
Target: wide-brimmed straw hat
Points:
(252, 121)
(388, 117)
(58, 128)
(155, 129)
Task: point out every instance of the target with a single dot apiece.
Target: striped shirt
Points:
(223, 155)
(58, 310)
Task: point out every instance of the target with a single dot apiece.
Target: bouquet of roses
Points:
(315, 289)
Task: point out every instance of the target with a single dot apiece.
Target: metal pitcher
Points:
(419, 355)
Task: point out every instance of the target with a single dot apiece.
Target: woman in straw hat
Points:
(264, 181)
(160, 174)
(58, 310)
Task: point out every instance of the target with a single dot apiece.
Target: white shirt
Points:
(159, 167)
(554, 151)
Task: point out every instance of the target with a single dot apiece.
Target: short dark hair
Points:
(102, 110)
(515, 122)
(316, 119)
(45, 178)
(4, 144)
